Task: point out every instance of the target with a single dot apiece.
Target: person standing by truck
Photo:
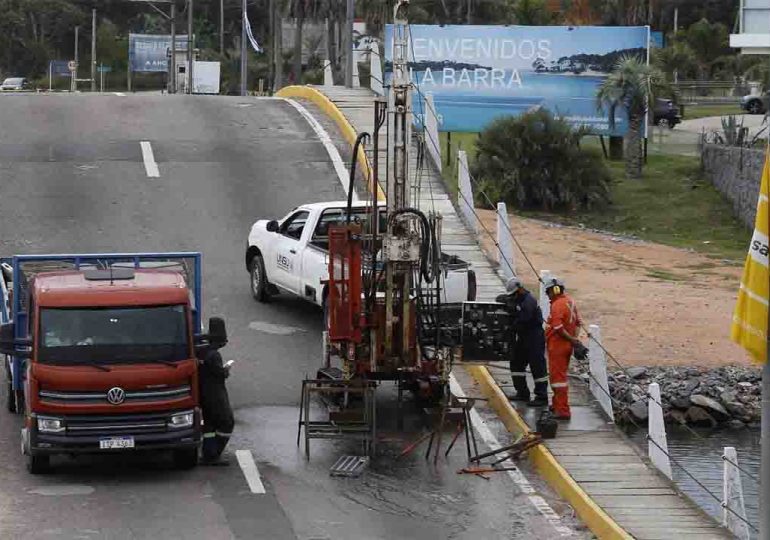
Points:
(218, 419)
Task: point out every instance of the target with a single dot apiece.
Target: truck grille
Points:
(132, 396)
(131, 424)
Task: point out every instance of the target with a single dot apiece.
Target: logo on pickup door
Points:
(284, 262)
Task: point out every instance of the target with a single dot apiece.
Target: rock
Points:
(676, 417)
(728, 397)
(736, 408)
(689, 386)
(700, 417)
(745, 384)
(736, 424)
(681, 402)
(639, 410)
(712, 405)
(636, 372)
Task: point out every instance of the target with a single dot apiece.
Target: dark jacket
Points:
(526, 318)
(215, 403)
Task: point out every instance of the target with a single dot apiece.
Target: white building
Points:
(753, 35)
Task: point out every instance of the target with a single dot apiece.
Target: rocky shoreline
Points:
(728, 396)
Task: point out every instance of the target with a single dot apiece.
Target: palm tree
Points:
(630, 86)
(677, 58)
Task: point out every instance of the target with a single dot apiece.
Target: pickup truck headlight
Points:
(47, 424)
(181, 420)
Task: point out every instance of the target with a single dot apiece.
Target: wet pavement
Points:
(73, 181)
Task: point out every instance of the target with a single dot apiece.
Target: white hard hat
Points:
(554, 281)
(513, 284)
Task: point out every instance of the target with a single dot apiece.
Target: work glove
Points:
(580, 352)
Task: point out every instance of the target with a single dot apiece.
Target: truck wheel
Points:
(11, 399)
(259, 282)
(186, 458)
(40, 464)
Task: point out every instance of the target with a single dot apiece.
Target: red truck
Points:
(101, 353)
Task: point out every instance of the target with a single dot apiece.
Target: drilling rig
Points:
(384, 281)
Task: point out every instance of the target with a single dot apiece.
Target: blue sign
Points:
(479, 73)
(656, 40)
(149, 53)
(60, 68)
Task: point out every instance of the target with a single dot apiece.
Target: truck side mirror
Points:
(8, 343)
(272, 226)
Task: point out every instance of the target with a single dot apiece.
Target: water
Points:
(702, 457)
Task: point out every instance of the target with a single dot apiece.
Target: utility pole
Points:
(93, 50)
(190, 45)
(173, 47)
(349, 45)
(244, 60)
(221, 27)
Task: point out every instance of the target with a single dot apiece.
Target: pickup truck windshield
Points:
(113, 335)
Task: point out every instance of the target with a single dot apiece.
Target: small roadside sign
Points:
(104, 69)
(72, 65)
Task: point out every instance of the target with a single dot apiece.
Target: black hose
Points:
(362, 138)
(428, 246)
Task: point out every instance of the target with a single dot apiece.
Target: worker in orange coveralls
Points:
(561, 336)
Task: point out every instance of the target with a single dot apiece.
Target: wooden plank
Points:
(641, 483)
(641, 501)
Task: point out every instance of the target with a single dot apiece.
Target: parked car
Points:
(755, 104)
(291, 255)
(665, 113)
(15, 83)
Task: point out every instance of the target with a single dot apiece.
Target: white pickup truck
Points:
(291, 255)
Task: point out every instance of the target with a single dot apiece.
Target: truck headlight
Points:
(46, 424)
(181, 420)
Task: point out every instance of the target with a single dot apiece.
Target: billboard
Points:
(147, 52)
(478, 73)
(59, 68)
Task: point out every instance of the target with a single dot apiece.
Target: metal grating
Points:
(350, 466)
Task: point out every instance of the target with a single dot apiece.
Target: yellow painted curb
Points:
(600, 523)
(330, 109)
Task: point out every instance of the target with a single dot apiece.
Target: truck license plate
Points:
(116, 443)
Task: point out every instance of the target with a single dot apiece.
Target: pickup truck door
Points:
(286, 251)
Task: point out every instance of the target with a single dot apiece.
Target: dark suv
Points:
(665, 113)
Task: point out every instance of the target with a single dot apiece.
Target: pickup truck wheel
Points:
(40, 464)
(259, 279)
(186, 458)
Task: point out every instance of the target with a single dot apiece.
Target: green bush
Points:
(534, 161)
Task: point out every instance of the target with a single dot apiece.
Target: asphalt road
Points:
(72, 179)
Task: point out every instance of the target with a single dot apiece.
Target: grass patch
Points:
(672, 204)
(692, 112)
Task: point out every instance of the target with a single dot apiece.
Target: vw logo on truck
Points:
(116, 395)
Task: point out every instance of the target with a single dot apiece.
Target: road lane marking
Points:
(149, 160)
(121, 94)
(250, 471)
(517, 476)
(323, 136)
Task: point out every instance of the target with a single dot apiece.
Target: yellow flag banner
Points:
(749, 328)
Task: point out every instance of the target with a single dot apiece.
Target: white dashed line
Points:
(250, 471)
(149, 160)
(334, 155)
(517, 476)
(121, 94)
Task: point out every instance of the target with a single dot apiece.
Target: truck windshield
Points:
(113, 335)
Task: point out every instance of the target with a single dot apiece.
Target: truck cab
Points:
(103, 356)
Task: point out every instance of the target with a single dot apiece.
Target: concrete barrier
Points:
(597, 365)
(505, 255)
(733, 496)
(465, 192)
(657, 445)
